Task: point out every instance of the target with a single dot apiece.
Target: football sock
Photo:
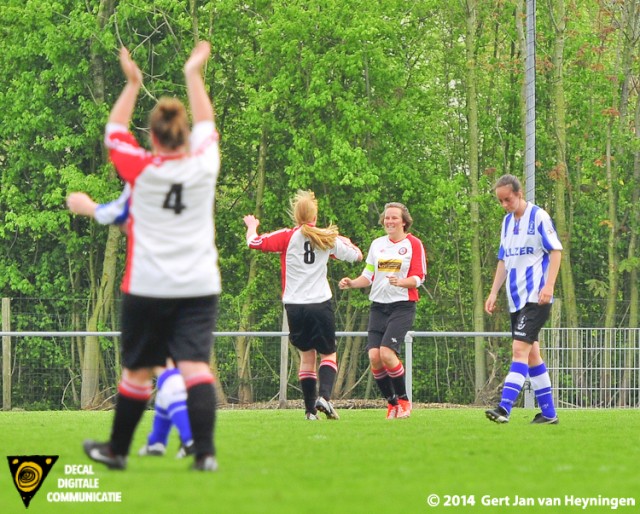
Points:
(513, 384)
(541, 383)
(161, 426)
(130, 406)
(327, 376)
(397, 377)
(308, 381)
(173, 395)
(201, 405)
(385, 385)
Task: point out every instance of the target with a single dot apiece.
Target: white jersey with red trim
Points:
(405, 258)
(304, 269)
(171, 250)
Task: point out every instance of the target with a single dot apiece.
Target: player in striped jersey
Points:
(528, 261)
(304, 252)
(396, 266)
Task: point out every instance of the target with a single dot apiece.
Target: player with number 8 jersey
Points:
(304, 253)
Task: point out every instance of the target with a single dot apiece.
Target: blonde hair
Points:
(169, 123)
(304, 211)
(406, 217)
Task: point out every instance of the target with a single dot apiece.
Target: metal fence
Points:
(589, 367)
(594, 367)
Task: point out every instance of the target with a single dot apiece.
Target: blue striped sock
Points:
(161, 427)
(541, 384)
(180, 419)
(513, 385)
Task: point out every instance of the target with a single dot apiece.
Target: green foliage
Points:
(362, 102)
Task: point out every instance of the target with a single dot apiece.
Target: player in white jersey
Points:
(172, 281)
(528, 261)
(396, 267)
(304, 253)
(170, 406)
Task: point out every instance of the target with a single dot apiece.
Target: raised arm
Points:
(122, 110)
(252, 224)
(201, 107)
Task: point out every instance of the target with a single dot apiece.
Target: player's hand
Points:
(490, 304)
(251, 221)
(199, 55)
(393, 280)
(82, 204)
(129, 67)
(545, 295)
(345, 283)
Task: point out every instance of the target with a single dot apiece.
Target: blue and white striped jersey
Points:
(524, 247)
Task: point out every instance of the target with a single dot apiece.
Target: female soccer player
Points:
(529, 259)
(396, 267)
(304, 253)
(172, 281)
(170, 404)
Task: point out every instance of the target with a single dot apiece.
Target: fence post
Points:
(284, 362)
(6, 355)
(408, 364)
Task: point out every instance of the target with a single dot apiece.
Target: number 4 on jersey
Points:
(173, 200)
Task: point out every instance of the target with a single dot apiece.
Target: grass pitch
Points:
(275, 461)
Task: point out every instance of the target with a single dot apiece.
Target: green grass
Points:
(276, 462)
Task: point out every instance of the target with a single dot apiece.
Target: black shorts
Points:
(389, 324)
(312, 326)
(527, 322)
(156, 328)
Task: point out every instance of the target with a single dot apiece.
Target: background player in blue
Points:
(170, 401)
(529, 261)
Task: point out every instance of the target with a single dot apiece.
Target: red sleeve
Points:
(272, 242)
(127, 155)
(418, 265)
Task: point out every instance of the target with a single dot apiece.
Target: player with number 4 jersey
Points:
(304, 253)
(170, 202)
(171, 282)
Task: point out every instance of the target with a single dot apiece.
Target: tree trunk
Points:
(476, 265)
(344, 358)
(629, 37)
(560, 175)
(561, 170)
(89, 394)
(243, 344)
(610, 312)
